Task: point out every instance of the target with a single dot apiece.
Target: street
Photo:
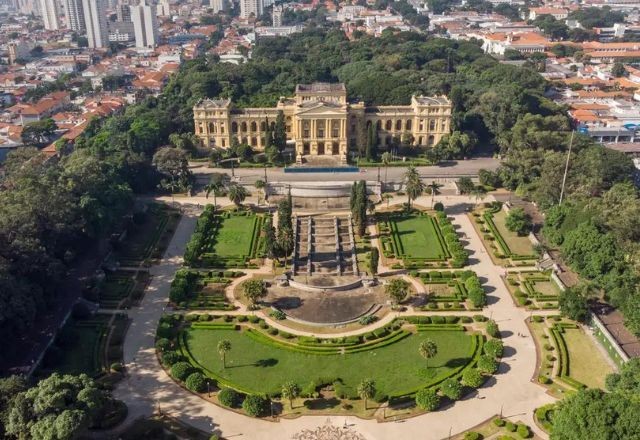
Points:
(450, 170)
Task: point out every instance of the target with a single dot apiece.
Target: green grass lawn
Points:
(418, 237)
(83, 352)
(396, 368)
(518, 245)
(546, 288)
(587, 363)
(234, 236)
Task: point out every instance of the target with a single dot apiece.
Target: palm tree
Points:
(434, 187)
(213, 187)
(224, 347)
(479, 193)
(290, 390)
(428, 349)
(260, 186)
(413, 185)
(366, 390)
(386, 159)
(237, 194)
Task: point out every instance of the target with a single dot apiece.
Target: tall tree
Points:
(366, 390)
(434, 187)
(428, 349)
(290, 390)
(237, 194)
(280, 132)
(224, 347)
(414, 187)
(173, 166)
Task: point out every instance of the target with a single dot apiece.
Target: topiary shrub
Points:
(472, 378)
(254, 405)
(181, 370)
(487, 364)
(510, 426)
(163, 344)
(472, 435)
(494, 348)
(170, 358)
(196, 382)
(427, 399)
(492, 329)
(451, 388)
(438, 206)
(229, 397)
(498, 422)
(523, 431)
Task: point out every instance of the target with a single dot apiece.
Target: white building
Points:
(75, 15)
(277, 16)
(250, 8)
(95, 20)
(145, 24)
(163, 9)
(218, 5)
(50, 13)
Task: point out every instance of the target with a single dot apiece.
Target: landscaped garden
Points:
(89, 345)
(202, 290)
(147, 235)
(256, 359)
(506, 247)
(534, 290)
(122, 289)
(226, 239)
(452, 290)
(569, 358)
(418, 239)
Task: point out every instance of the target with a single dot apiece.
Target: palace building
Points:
(321, 122)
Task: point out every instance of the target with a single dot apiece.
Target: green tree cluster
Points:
(358, 203)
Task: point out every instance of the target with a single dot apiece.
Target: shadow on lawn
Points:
(266, 362)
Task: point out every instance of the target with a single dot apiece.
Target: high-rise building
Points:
(123, 12)
(276, 16)
(218, 5)
(250, 8)
(50, 13)
(95, 20)
(145, 24)
(163, 9)
(75, 15)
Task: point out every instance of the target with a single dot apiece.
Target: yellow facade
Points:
(320, 122)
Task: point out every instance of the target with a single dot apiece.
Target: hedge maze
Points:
(227, 239)
(534, 290)
(202, 290)
(452, 290)
(419, 240)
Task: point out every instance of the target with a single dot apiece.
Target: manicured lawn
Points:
(396, 368)
(587, 363)
(517, 245)
(546, 288)
(234, 237)
(418, 237)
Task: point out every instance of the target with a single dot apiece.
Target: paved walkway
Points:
(510, 391)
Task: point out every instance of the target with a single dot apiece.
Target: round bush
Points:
(498, 422)
(523, 431)
(472, 435)
(487, 364)
(229, 397)
(116, 366)
(170, 358)
(181, 370)
(254, 405)
(472, 378)
(427, 399)
(544, 380)
(163, 344)
(438, 206)
(494, 348)
(492, 329)
(510, 426)
(196, 382)
(452, 389)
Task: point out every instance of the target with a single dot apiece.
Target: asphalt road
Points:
(449, 170)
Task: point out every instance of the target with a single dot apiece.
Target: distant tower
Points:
(145, 24)
(163, 9)
(95, 20)
(277, 16)
(50, 13)
(251, 7)
(218, 5)
(75, 16)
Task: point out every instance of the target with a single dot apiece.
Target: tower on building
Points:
(75, 15)
(50, 14)
(145, 24)
(276, 16)
(95, 20)
(250, 8)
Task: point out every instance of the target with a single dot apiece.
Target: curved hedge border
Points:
(563, 355)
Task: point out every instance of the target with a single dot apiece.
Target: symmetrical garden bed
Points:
(148, 235)
(262, 358)
(122, 288)
(534, 290)
(418, 239)
(452, 290)
(226, 239)
(507, 247)
(202, 290)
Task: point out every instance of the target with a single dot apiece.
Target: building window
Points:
(254, 142)
(234, 127)
(432, 124)
(388, 125)
(254, 127)
(223, 143)
(378, 125)
(398, 125)
(407, 124)
(243, 127)
(335, 148)
(431, 140)
(263, 126)
(335, 129)
(320, 133)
